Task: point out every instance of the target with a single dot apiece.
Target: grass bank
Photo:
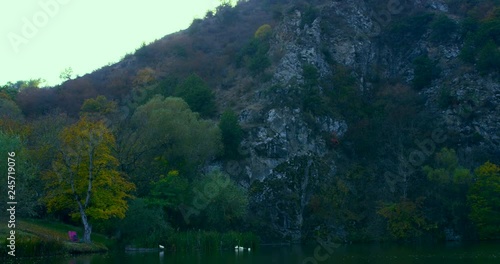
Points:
(35, 238)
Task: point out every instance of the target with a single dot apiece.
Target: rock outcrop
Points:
(285, 148)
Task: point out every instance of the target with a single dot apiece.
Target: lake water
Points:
(355, 253)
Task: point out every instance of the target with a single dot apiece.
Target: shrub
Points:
(425, 71)
(407, 30)
(489, 58)
(442, 28)
(312, 99)
(308, 16)
(198, 96)
(140, 233)
(226, 13)
(258, 63)
(405, 219)
(468, 52)
(9, 109)
(311, 75)
(143, 53)
(445, 98)
(166, 87)
(232, 133)
(484, 200)
(344, 94)
(263, 32)
(195, 26)
(327, 54)
(482, 42)
(254, 56)
(227, 208)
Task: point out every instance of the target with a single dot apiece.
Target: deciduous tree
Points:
(84, 178)
(22, 182)
(405, 219)
(484, 199)
(448, 189)
(66, 74)
(169, 136)
(226, 203)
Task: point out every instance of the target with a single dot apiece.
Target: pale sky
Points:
(39, 39)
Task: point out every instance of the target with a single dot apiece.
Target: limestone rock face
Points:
(288, 153)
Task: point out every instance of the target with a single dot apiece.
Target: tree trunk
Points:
(87, 227)
(88, 230)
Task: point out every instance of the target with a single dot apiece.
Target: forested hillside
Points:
(362, 120)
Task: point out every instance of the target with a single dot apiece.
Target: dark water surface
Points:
(356, 253)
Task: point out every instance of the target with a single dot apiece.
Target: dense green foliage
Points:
(232, 134)
(168, 136)
(21, 85)
(24, 184)
(310, 14)
(144, 225)
(312, 98)
(408, 29)
(9, 109)
(405, 219)
(449, 184)
(263, 32)
(425, 71)
(198, 96)
(442, 28)
(254, 53)
(484, 199)
(227, 202)
(482, 42)
(169, 191)
(84, 179)
(344, 95)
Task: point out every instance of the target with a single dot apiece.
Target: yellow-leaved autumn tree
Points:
(85, 179)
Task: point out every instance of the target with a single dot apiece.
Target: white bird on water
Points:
(161, 247)
(240, 248)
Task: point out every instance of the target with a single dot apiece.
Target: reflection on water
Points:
(366, 253)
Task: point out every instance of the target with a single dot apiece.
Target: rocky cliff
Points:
(289, 152)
